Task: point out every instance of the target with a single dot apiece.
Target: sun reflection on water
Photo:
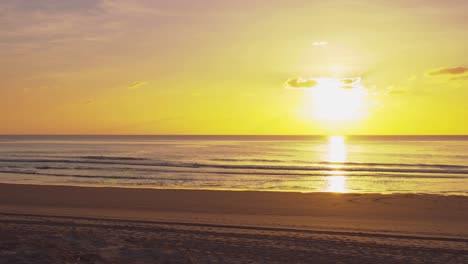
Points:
(336, 182)
(336, 149)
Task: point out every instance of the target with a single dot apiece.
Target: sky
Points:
(233, 67)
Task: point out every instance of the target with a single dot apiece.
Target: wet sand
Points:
(56, 224)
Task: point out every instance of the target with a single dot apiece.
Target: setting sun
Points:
(331, 101)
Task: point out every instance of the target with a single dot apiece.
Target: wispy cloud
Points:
(450, 74)
(32, 25)
(449, 71)
(136, 85)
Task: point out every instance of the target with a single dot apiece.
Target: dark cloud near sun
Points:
(349, 81)
(300, 83)
(449, 71)
(308, 83)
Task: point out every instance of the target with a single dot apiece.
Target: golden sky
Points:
(233, 67)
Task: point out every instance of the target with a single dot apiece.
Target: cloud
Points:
(308, 83)
(136, 85)
(319, 43)
(453, 74)
(300, 83)
(351, 81)
(449, 71)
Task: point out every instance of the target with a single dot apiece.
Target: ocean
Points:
(352, 164)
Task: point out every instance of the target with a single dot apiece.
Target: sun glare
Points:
(337, 100)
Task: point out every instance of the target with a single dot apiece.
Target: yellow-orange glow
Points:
(362, 68)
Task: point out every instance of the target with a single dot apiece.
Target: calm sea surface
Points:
(410, 164)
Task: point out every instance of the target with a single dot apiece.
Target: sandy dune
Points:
(53, 224)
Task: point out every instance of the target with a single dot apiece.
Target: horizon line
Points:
(245, 135)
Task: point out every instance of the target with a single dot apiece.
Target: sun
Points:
(337, 99)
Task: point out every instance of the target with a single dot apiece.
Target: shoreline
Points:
(149, 187)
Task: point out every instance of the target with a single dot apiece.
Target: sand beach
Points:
(60, 224)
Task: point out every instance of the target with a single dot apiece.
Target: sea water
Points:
(355, 164)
